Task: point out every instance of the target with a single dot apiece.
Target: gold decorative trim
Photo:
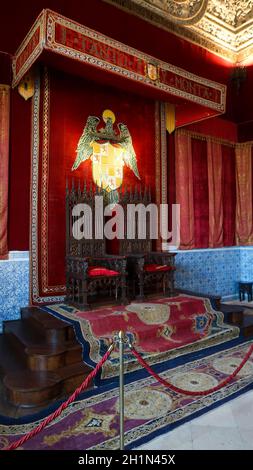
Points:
(5, 100)
(158, 162)
(4, 88)
(34, 217)
(29, 58)
(164, 163)
(46, 289)
(197, 135)
(217, 140)
(44, 179)
(34, 278)
(164, 183)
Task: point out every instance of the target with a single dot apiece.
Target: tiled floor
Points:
(228, 427)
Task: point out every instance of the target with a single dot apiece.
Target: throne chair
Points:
(90, 272)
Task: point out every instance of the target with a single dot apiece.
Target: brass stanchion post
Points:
(121, 388)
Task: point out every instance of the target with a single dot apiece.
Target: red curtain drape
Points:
(200, 193)
(244, 228)
(184, 188)
(19, 173)
(205, 178)
(4, 163)
(214, 161)
(228, 194)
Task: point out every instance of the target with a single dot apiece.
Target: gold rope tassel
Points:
(170, 117)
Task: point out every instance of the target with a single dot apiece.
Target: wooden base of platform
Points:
(236, 315)
(40, 360)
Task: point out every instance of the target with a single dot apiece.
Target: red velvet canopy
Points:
(89, 53)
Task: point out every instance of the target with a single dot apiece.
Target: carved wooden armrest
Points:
(77, 266)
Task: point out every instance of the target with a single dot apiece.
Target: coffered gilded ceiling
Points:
(224, 27)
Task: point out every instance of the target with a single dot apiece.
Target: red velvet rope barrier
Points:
(64, 405)
(188, 392)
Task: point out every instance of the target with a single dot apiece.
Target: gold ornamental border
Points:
(40, 110)
(217, 140)
(184, 85)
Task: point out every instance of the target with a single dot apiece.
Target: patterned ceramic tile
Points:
(214, 271)
(14, 285)
(18, 255)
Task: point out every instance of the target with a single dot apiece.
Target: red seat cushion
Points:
(157, 267)
(101, 271)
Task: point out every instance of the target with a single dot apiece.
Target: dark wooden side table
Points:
(232, 313)
(245, 287)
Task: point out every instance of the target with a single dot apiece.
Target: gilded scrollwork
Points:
(232, 12)
(221, 26)
(179, 11)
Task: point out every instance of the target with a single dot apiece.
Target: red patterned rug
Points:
(159, 329)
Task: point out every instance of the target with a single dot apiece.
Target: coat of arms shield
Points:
(107, 165)
(109, 150)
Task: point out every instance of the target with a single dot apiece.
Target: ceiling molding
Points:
(224, 27)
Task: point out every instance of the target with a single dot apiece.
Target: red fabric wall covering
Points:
(5, 68)
(244, 99)
(216, 127)
(245, 131)
(228, 195)
(200, 193)
(19, 186)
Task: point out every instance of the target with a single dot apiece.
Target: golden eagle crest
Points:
(109, 151)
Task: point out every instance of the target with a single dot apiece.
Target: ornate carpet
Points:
(159, 330)
(150, 409)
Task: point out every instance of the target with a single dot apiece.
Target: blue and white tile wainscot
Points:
(14, 285)
(214, 271)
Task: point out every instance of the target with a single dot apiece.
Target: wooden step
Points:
(55, 330)
(40, 361)
(26, 388)
(30, 388)
(40, 354)
(10, 360)
(247, 325)
(73, 375)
